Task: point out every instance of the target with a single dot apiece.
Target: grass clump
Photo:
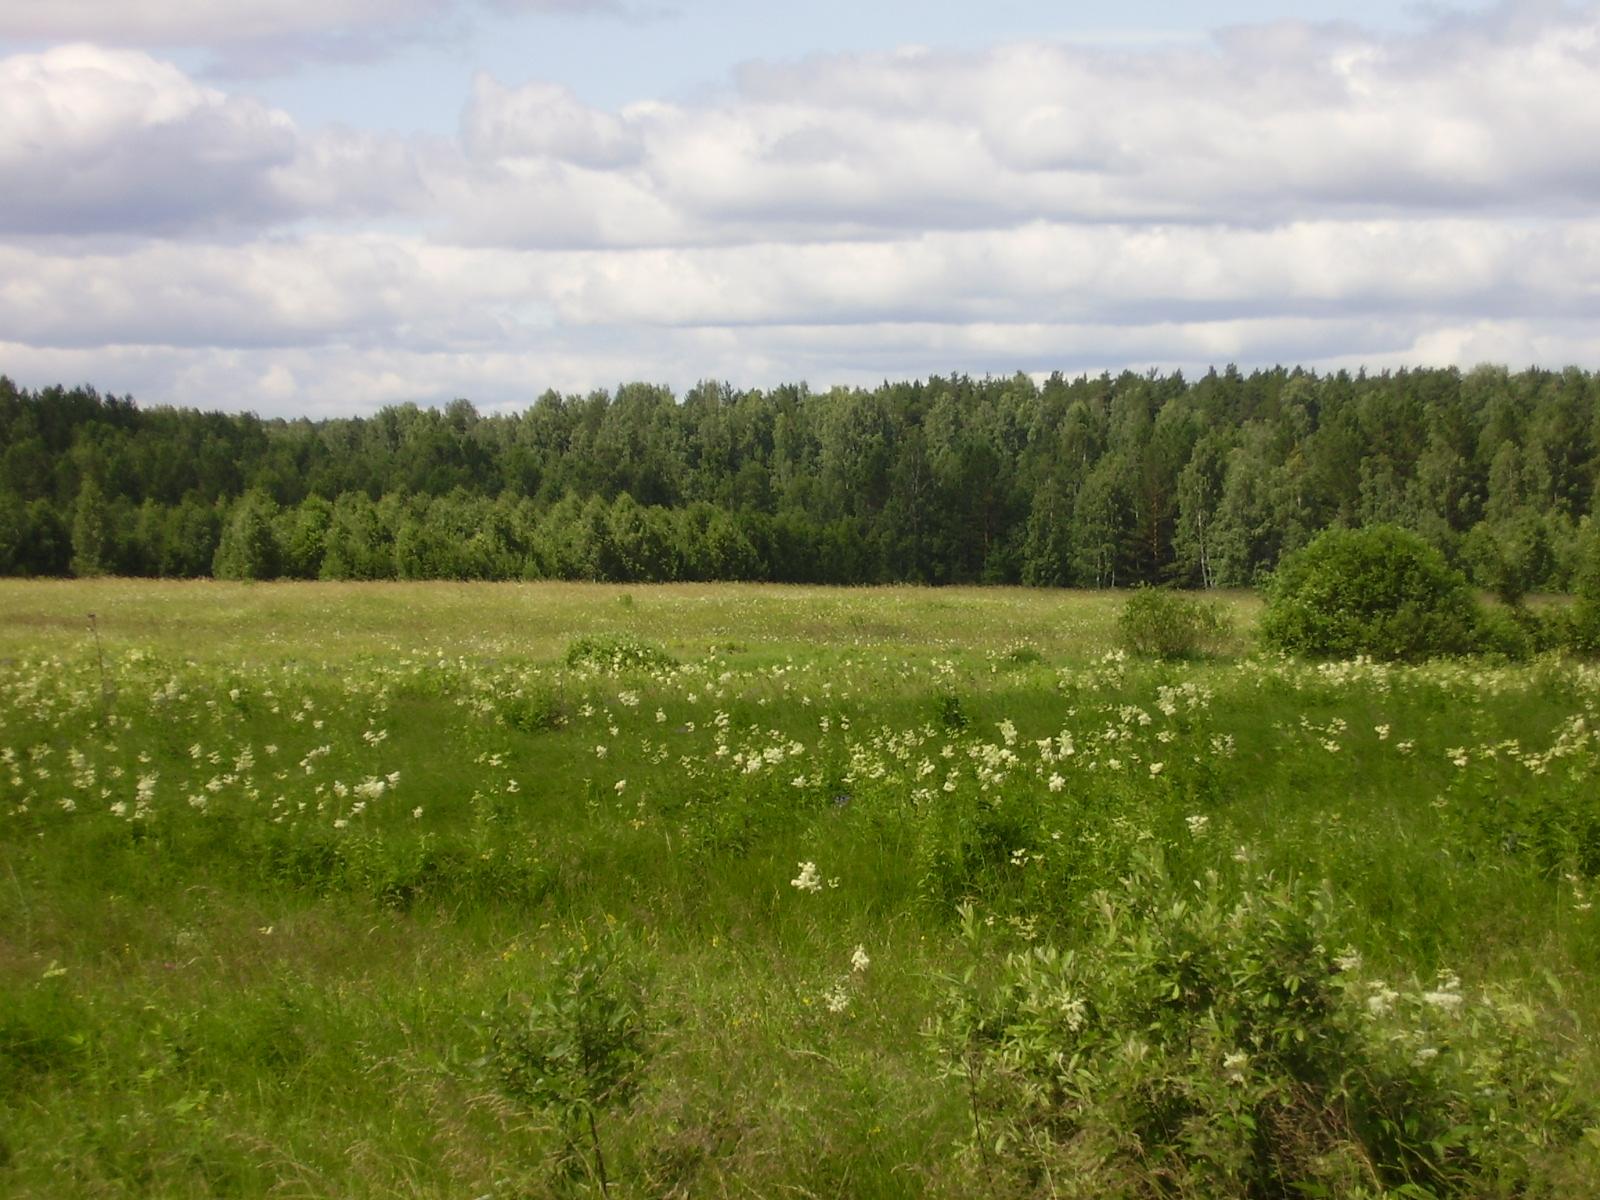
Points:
(41, 1030)
(533, 710)
(1161, 623)
(1378, 591)
(616, 653)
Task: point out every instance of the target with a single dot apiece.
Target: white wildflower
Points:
(809, 880)
(1073, 1009)
(1447, 996)
(1234, 1064)
(1381, 1002)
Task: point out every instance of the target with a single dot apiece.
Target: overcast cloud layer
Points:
(1293, 193)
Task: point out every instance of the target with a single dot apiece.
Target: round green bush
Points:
(1378, 591)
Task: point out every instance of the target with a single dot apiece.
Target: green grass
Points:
(248, 623)
(266, 882)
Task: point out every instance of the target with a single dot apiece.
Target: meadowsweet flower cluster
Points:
(809, 880)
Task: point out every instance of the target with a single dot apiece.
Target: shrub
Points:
(1585, 626)
(1509, 632)
(1161, 623)
(1511, 557)
(1378, 591)
(1518, 632)
(580, 1044)
(617, 652)
(951, 712)
(1202, 1042)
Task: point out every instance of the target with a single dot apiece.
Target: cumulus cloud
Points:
(94, 139)
(262, 38)
(407, 293)
(1261, 126)
(184, 23)
(114, 141)
(1283, 193)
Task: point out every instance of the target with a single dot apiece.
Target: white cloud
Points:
(188, 23)
(1107, 273)
(403, 294)
(365, 290)
(543, 120)
(1263, 126)
(252, 39)
(113, 141)
(1285, 193)
(94, 139)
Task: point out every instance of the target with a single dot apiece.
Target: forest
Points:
(1101, 481)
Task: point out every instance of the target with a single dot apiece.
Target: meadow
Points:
(519, 890)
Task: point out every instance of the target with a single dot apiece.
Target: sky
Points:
(321, 207)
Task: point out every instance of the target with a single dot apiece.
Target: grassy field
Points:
(266, 623)
(439, 890)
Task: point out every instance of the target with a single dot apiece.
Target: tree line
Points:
(1087, 481)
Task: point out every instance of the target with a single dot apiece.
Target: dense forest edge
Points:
(1092, 481)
